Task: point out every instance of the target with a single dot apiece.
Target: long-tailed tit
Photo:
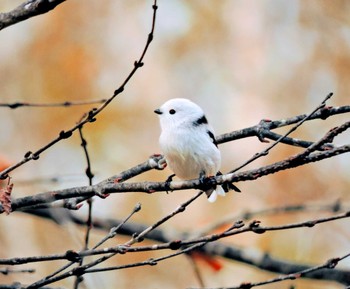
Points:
(188, 143)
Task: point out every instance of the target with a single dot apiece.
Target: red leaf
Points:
(214, 263)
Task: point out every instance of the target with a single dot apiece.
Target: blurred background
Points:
(240, 60)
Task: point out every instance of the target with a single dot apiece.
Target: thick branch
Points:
(26, 10)
(256, 130)
(103, 189)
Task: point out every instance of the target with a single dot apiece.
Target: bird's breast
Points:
(188, 155)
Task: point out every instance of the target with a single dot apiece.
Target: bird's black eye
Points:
(172, 111)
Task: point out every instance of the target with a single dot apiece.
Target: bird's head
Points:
(178, 112)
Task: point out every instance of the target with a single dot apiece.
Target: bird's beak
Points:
(158, 111)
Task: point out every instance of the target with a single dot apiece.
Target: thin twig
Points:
(237, 228)
(336, 206)
(252, 131)
(219, 249)
(90, 176)
(91, 115)
(329, 264)
(294, 128)
(73, 256)
(113, 231)
(80, 270)
(267, 134)
(15, 105)
(7, 271)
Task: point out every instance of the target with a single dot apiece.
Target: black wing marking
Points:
(203, 120)
(212, 137)
(200, 121)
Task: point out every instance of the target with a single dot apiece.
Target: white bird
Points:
(188, 143)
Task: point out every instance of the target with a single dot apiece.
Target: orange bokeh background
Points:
(241, 61)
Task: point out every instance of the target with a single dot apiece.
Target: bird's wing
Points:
(212, 137)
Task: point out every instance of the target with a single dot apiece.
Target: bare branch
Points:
(259, 259)
(263, 126)
(26, 10)
(317, 272)
(15, 105)
(136, 237)
(7, 271)
(114, 230)
(252, 131)
(203, 241)
(91, 115)
(90, 176)
(103, 189)
(17, 285)
(333, 207)
(262, 261)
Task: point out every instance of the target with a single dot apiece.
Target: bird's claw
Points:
(206, 183)
(167, 183)
(157, 161)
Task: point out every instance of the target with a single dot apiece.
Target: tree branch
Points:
(26, 10)
(179, 242)
(316, 272)
(253, 131)
(15, 105)
(104, 189)
(91, 115)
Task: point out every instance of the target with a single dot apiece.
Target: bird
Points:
(189, 146)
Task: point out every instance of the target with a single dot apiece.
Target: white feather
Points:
(212, 198)
(187, 142)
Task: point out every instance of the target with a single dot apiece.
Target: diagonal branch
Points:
(26, 10)
(91, 115)
(152, 187)
(182, 245)
(253, 130)
(316, 272)
(263, 125)
(136, 237)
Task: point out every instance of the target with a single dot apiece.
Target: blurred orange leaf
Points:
(213, 262)
(4, 163)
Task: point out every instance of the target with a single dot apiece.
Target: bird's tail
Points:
(212, 194)
(227, 186)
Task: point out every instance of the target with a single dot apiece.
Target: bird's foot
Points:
(167, 183)
(206, 182)
(157, 161)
